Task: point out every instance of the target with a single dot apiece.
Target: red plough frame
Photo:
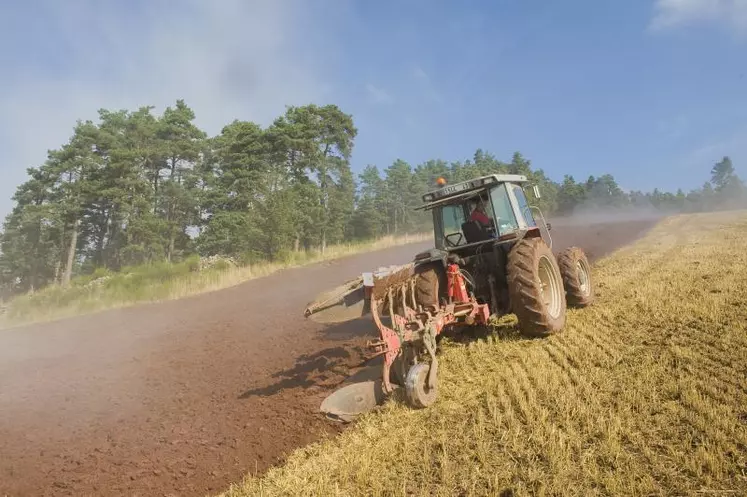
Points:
(414, 323)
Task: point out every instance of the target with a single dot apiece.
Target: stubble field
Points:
(644, 393)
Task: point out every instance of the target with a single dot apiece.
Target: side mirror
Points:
(536, 191)
(549, 226)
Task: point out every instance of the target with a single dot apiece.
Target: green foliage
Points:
(137, 198)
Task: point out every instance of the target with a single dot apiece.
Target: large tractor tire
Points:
(535, 288)
(576, 272)
(429, 284)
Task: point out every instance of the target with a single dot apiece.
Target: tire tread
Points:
(524, 289)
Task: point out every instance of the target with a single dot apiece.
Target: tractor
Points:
(492, 256)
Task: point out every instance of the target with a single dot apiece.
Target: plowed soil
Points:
(184, 397)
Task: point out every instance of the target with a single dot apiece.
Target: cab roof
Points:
(467, 188)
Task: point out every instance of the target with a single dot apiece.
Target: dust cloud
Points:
(590, 214)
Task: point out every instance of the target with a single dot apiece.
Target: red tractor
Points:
(492, 257)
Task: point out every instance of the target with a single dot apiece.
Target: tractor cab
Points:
(489, 208)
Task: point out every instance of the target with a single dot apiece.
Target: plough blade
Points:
(348, 301)
(344, 303)
(352, 400)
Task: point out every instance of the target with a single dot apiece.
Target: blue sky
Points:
(651, 91)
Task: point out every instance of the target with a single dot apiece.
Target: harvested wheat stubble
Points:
(645, 393)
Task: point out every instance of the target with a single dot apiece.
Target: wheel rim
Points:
(550, 286)
(583, 277)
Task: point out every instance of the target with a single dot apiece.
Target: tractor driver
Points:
(478, 213)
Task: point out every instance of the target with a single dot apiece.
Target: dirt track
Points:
(186, 396)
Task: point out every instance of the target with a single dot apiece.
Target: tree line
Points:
(136, 188)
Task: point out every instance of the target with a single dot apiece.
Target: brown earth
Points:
(184, 397)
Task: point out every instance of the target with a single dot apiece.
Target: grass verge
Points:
(163, 281)
(643, 393)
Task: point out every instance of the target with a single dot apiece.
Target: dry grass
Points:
(166, 282)
(644, 393)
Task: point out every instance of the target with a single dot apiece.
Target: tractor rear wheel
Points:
(576, 271)
(535, 287)
(429, 284)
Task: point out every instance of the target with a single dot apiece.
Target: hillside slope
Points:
(185, 396)
(644, 393)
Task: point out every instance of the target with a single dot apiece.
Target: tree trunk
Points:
(58, 264)
(155, 195)
(111, 251)
(323, 190)
(101, 238)
(71, 255)
(57, 267)
(297, 244)
(172, 236)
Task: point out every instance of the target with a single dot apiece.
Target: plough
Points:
(407, 329)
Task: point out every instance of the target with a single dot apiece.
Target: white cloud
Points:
(700, 158)
(227, 58)
(680, 13)
(378, 95)
(674, 127)
(429, 89)
(420, 74)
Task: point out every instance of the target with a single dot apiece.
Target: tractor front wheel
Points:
(536, 288)
(576, 271)
(430, 284)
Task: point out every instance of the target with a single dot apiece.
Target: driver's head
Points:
(479, 204)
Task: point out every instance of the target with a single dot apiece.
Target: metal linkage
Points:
(413, 325)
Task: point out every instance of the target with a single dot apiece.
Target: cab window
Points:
(452, 218)
(523, 205)
(504, 217)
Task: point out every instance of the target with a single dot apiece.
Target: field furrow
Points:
(563, 367)
(592, 351)
(692, 358)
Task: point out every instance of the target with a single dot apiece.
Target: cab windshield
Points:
(524, 208)
(503, 213)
